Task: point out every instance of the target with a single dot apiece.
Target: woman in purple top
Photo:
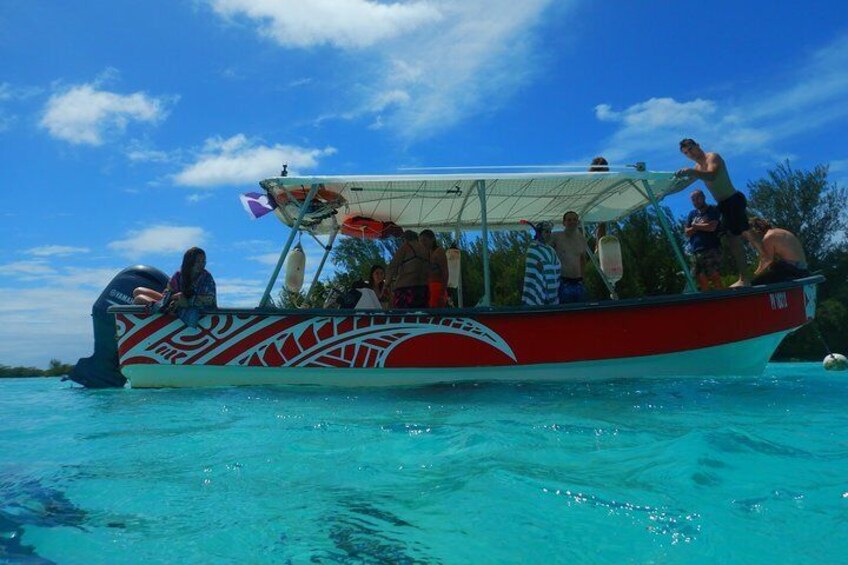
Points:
(191, 289)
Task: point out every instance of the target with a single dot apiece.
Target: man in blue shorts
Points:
(570, 247)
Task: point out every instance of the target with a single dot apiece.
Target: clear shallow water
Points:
(678, 471)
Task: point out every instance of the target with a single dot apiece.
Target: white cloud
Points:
(239, 160)
(148, 156)
(300, 82)
(159, 239)
(813, 97)
(440, 61)
(266, 258)
(479, 56)
(84, 114)
(839, 172)
(839, 166)
(60, 250)
(10, 92)
(197, 197)
(652, 127)
(238, 292)
(50, 316)
(27, 269)
(37, 324)
(343, 23)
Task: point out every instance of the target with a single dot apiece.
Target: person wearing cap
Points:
(710, 168)
(541, 269)
(570, 247)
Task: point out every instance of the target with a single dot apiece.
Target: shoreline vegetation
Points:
(56, 369)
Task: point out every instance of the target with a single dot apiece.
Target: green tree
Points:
(16, 372)
(807, 204)
(57, 369)
(650, 266)
(353, 257)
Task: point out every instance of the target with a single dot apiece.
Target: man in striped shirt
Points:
(541, 269)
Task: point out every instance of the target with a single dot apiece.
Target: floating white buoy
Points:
(454, 262)
(295, 265)
(835, 362)
(609, 256)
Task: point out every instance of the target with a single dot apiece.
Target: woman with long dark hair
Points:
(190, 289)
(377, 283)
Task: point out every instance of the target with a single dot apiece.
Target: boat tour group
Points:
(408, 324)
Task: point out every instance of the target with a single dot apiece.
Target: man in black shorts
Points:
(710, 168)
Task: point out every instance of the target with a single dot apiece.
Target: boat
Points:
(737, 332)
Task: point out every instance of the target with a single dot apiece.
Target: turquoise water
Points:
(676, 471)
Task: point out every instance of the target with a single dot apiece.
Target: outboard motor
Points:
(101, 369)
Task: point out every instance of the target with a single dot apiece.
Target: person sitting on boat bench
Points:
(190, 289)
(783, 256)
(407, 273)
(361, 297)
(377, 283)
(570, 247)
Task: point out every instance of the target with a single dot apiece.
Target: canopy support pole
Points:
(487, 283)
(458, 234)
(327, 250)
(294, 229)
(690, 281)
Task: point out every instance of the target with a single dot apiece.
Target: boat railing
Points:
(509, 310)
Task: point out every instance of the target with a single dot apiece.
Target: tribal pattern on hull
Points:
(286, 341)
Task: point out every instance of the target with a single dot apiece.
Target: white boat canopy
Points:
(447, 202)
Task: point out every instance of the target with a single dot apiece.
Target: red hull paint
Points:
(465, 339)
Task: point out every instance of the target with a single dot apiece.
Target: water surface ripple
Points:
(638, 471)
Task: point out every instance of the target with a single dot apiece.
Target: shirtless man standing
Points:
(783, 257)
(570, 247)
(710, 168)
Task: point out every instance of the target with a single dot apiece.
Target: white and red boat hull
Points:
(724, 333)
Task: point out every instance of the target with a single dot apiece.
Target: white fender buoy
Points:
(295, 265)
(609, 255)
(835, 362)
(454, 264)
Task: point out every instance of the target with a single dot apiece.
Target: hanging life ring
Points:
(298, 194)
(323, 205)
(369, 228)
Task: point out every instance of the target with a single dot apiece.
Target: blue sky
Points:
(128, 129)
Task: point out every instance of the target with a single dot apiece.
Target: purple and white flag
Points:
(257, 205)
